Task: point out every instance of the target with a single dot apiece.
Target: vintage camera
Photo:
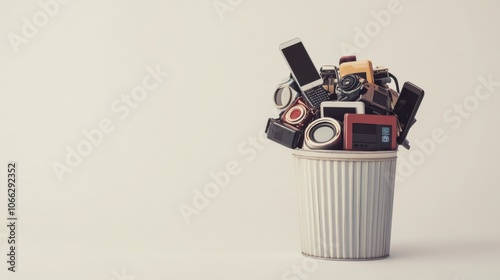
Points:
(284, 134)
(285, 93)
(362, 68)
(299, 114)
(381, 76)
(377, 100)
(324, 134)
(349, 88)
(329, 74)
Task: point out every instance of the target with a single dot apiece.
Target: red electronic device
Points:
(364, 132)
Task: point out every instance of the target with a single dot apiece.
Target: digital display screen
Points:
(301, 64)
(371, 136)
(337, 112)
(404, 107)
(365, 128)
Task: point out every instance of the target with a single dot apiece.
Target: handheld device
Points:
(323, 133)
(406, 108)
(337, 110)
(304, 72)
(369, 132)
(362, 68)
(284, 134)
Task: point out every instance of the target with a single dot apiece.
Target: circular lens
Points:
(323, 133)
(348, 82)
(295, 114)
(282, 97)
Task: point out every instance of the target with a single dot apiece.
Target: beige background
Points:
(116, 215)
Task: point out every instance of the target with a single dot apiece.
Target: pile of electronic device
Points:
(349, 107)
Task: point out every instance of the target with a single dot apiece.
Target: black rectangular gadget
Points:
(284, 134)
(304, 72)
(406, 108)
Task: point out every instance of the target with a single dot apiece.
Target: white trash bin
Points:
(345, 203)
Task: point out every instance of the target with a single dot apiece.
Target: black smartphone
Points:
(406, 108)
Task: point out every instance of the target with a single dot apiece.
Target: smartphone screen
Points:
(301, 64)
(407, 106)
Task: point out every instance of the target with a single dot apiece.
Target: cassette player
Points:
(370, 132)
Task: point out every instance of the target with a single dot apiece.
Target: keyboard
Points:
(315, 96)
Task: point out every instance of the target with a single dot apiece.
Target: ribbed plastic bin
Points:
(345, 203)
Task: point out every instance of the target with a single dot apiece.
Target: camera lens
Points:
(349, 88)
(295, 114)
(349, 82)
(323, 132)
(282, 97)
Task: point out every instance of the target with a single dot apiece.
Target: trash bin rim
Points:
(345, 155)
